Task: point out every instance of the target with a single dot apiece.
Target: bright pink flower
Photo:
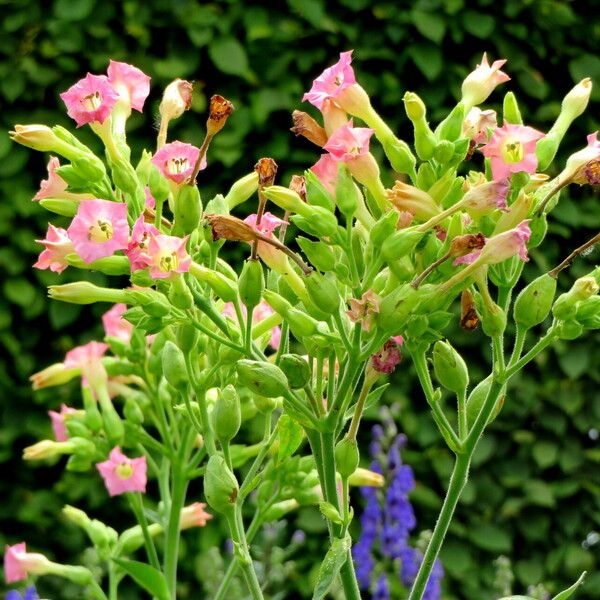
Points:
(501, 247)
(176, 161)
(122, 474)
(115, 325)
(57, 246)
(512, 150)
(326, 169)
(481, 82)
(99, 229)
(130, 83)
(87, 358)
(150, 200)
(332, 81)
(90, 100)
(398, 339)
(138, 244)
(348, 142)
(18, 563)
(166, 255)
(55, 185)
(261, 312)
(194, 515)
(58, 422)
(268, 224)
(387, 358)
(272, 257)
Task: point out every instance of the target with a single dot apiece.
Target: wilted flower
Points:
(307, 127)
(122, 474)
(90, 100)
(363, 311)
(219, 111)
(386, 360)
(87, 359)
(484, 196)
(577, 163)
(476, 124)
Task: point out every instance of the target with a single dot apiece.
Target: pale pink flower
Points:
(486, 197)
(115, 325)
(332, 81)
(99, 229)
(480, 83)
(268, 223)
(501, 247)
(57, 246)
(365, 310)
(58, 422)
(88, 358)
(18, 563)
(577, 162)
(194, 515)
(55, 185)
(138, 244)
(130, 83)
(386, 360)
(512, 150)
(326, 169)
(167, 255)
(476, 124)
(176, 161)
(122, 474)
(273, 257)
(261, 312)
(90, 100)
(150, 200)
(398, 339)
(348, 143)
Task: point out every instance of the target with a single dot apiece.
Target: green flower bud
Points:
(112, 424)
(397, 307)
(124, 176)
(400, 243)
(347, 456)
(180, 295)
(90, 167)
(443, 152)
(173, 365)
(296, 369)
(223, 286)
(576, 101)
(153, 303)
(399, 154)
(330, 512)
(142, 170)
(77, 428)
(132, 411)
(242, 189)
(78, 464)
(414, 107)
(493, 320)
(217, 206)
(323, 292)
(265, 405)
(582, 289)
(477, 398)
(319, 254)
(278, 510)
(588, 313)
(187, 337)
(278, 303)
(450, 368)
(220, 485)
(346, 192)
(83, 447)
(539, 227)
(383, 229)
(141, 278)
(510, 110)
(263, 378)
(226, 414)
(426, 177)
(316, 194)
(569, 330)
(251, 283)
(84, 292)
(59, 206)
(187, 210)
(320, 222)
(159, 187)
(301, 324)
(451, 127)
(534, 302)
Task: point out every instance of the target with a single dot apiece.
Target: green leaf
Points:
(429, 25)
(544, 454)
(428, 59)
(229, 56)
(569, 591)
(332, 563)
(540, 493)
(148, 577)
(490, 537)
(586, 65)
(73, 10)
(478, 24)
(290, 437)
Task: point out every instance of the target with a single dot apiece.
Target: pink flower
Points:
(166, 255)
(58, 422)
(115, 325)
(501, 247)
(55, 185)
(332, 81)
(90, 100)
(512, 150)
(268, 223)
(485, 197)
(481, 82)
(57, 247)
(194, 515)
(150, 200)
(18, 563)
(398, 339)
(138, 244)
(273, 257)
(348, 142)
(387, 358)
(99, 229)
(122, 474)
(476, 124)
(87, 358)
(326, 169)
(577, 162)
(261, 312)
(130, 83)
(176, 161)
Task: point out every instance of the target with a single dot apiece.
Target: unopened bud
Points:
(534, 302)
(323, 292)
(364, 477)
(220, 485)
(399, 154)
(177, 98)
(84, 292)
(242, 189)
(226, 415)
(443, 152)
(223, 287)
(266, 168)
(251, 283)
(401, 243)
(287, 199)
(307, 127)
(347, 456)
(180, 295)
(152, 302)
(37, 137)
(588, 313)
(263, 378)
(330, 512)
(450, 128)
(493, 320)
(220, 109)
(582, 289)
(278, 510)
(187, 210)
(47, 449)
(174, 368)
(569, 329)
(510, 110)
(414, 106)
(296, 369)
(576, 101)
(277, 302)
(450, 368)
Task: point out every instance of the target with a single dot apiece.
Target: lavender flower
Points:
(382, 590)
(29, 594)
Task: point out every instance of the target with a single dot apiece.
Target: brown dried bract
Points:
(464, 244)
(231, 228)
(220, 109)
(469, 319)
(266, 168)
(588, 173)
(298, 185)
(307, 127)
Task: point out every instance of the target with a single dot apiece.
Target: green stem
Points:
(463, 425)
(137, 506)
(358, 409)
(518, 347)
(541, 345)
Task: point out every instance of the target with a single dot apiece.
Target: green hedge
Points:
(535, 491)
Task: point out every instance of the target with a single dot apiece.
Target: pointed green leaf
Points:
(148, 577)
(330, 567)
(569, 591)
(290, 437)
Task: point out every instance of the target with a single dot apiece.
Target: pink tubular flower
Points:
(194, 515)
(326, 169)
(268, 224)
(272, 257)
(485, 197)
(90, 100)
(577, 162)
(115, 325)
(176, 161)
(122, 474)
(332, 81)
(386, 360)
(501, 247)
(480, 83)
(58, 422)
(87, 358)
(512, 150)
(348, 142)
(18, 563)
(130, 83)
(57, 247)
(167, 255)
(138, 244)
(55, 185)
(99, 229)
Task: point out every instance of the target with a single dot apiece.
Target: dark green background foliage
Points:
(535, 489)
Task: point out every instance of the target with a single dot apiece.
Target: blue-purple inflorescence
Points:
(29, 594)
(383, 550)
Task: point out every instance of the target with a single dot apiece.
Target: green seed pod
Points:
(159, 187)
(296, 369)
(278, 303)
(251, 283)
(534, 302)
(301, 324)
(399, 154)
(400, 243)
(180, 295)
(347, 456)
(226, 415)
(187, 210)
(220, 485)
(493, 321)
(319, 254)
(450, 368)
(477, 398)
(510, 110)
(323, 292)
(397, 307)
(346, 192)
(173, 365)
(187, 337)
(263, 378)
(443, 152)
(132, 411)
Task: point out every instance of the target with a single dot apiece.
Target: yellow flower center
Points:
(175, 166)
(100, 231)
(168, 262)
(92, 101)
(124, 471)
(512, 151)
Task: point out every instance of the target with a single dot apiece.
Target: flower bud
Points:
(301, 324)
(37, 137)
(510, 110)
(220, 109)
(425, 140)
(364, 477)
(582, 289)
(47, 449)
(316, 193)
(278, 510)
(477, 398)
(317, 221)
(323, 292)
(493, 320)
(59, 206)
(576, 101)
(187, 210)
(296, 369)
(177, 98)
(251, 283)
(307, 127)
(330, 512)
(450, 368)
(347, 456)
(534, 302)
(220, 485)
(242, 189)
(187, 337)
(346, 193)
(400, 243)
(450, 128)
(159, 187)
(546, 148)
(588, 313)
(287, 199)
(569, 330)
(180, 294)
(399, 154)
(133, 412)
(153, 303)
(226, 415)
(319, 254)
(125, 177)
(173, 365)
(84, 292)
(263, 378)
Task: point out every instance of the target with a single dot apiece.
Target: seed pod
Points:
(226, 415)
(323, 292)
(132, 411)
(220, 485)
(400, 243)
(180, 295)
(450, 368)
(296, 369)
(187, 210)
(477, 398)
(534, 302)
(173, 365)
(251, 284)
(187, 337)
(347, 456)
(263, 378)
